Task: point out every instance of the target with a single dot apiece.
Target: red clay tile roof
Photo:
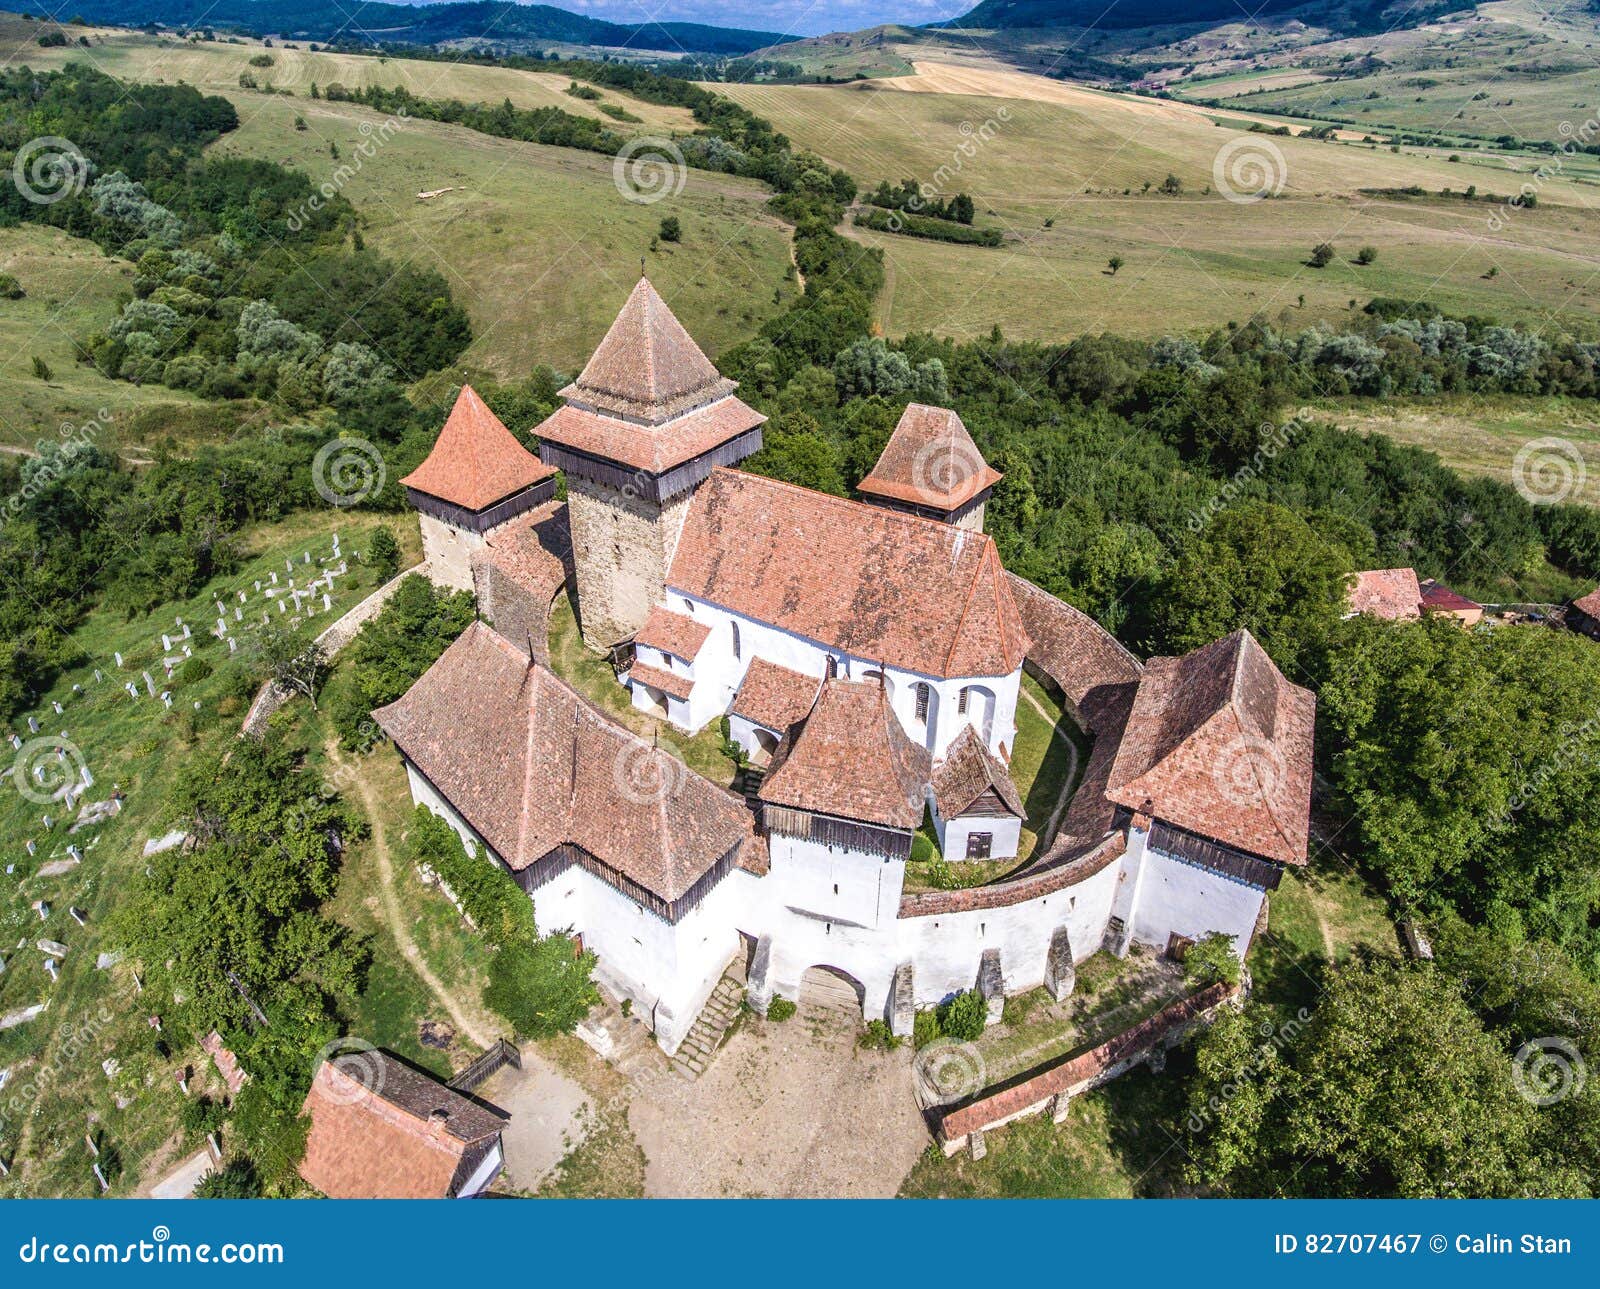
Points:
(381, 1130)
(930, 460)
(649, 398)
(668, 682)
(1219, 743)
(882, 585)
(654, 449)
(968, 771)
(1391, 593)
(530, 765)
(1589, 604)
(1441, 599)
(676, 633)
(1069, 646)
(774, 697)
(850, 758)
(648, 366)
(475, 461)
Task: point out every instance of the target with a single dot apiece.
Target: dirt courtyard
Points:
(791, 1109)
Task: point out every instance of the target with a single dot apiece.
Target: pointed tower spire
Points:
(643, 424)
(931, 466)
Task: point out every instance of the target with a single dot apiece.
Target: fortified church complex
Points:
(868, 656)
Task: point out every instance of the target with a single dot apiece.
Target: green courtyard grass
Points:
(591, 675)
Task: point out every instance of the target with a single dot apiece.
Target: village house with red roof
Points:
(868, 656)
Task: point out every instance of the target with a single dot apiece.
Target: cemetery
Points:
(86, 1079)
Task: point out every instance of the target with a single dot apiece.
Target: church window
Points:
(735, 627)
(961, 702)
(924, 694)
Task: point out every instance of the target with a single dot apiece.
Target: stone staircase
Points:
(709, 1029)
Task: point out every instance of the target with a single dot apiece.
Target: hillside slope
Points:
(431, 24)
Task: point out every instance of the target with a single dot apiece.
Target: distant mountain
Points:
(1122, 15)
(430, 24)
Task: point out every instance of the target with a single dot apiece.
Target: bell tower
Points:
(641, 428)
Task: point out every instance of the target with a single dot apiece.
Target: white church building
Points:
(868, 656)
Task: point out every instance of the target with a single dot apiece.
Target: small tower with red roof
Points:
(931, 467)
(477, 478)
(643, 427)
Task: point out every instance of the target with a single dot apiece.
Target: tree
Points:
(1210, 959)
(1259, 566)
(1172, 185)
(1321, 255)
(383, 553)
(1366, 255)
(671, 229)
(542, 987)
(1394, 1088)
(291, 658)
(1115, 263)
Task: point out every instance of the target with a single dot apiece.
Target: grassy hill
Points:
(537, 242)
(1064, 173)
(1510, 67)
(425, 24)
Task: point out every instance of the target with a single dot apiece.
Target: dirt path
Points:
(1071, 782)
(468, 1018)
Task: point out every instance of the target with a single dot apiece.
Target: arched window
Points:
(923, 694)
(735, 627)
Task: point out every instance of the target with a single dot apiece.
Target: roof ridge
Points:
(897, 516)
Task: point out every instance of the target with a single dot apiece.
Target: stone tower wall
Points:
(622, 545)
(447, 551)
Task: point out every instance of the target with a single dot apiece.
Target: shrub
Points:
(1366, 255)
(671, 229)
(262, 60)
(963, 1016)
(193, 670)
(41, 369)
(383, 553)
(878, 1037)
(542, 987)
(1321, 255)
(781, 1009)
(1211, 959)
(10, 288)
(924, 1028)
(490, 896)
(236, 1179)
(201, 1115)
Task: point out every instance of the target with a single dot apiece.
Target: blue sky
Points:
(800, 17)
